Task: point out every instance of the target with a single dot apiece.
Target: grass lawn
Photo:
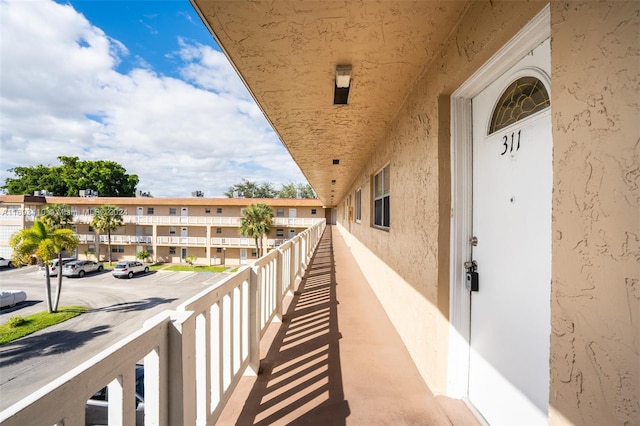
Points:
(18, 327)
(196, 268)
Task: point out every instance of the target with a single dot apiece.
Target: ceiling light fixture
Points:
(342, 84)
(343, 76)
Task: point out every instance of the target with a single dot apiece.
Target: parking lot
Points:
(117, 308)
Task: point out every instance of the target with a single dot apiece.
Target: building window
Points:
(172, 211)
(254, 253)
(219, 210)
(313, 211)
(279, 232)
(381, 198)
(218, 230)
(207, 210)
(91, 228)
(280, 212)
(219, 250)
(524, 97)
(150, 210)
(358, 205)
(172, 250)
(172, 231)
(117, 249)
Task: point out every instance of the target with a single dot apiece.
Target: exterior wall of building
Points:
(594, 358)
(595, 341)
(408, 265)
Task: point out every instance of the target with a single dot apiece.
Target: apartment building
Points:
(169, 229)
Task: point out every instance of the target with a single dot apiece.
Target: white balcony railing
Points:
(186, 241)
(298, 222)
(216, 334)
(175, 240)
(127, 239)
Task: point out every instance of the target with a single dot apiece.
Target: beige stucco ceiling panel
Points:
(286, 51)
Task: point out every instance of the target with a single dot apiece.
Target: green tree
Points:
(249, 189)
(107, 218)
(256, 222)
(45, 244)
(143, 255)
(109, 178)
(292, 190)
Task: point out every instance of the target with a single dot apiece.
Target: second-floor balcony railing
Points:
(299, 222)
(194, 356)
(116, 239)
(176, 240)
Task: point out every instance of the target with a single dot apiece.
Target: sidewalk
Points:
(337, 360)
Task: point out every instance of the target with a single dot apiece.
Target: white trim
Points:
(532, 35)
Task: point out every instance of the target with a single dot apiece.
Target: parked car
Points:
(12, 297)
(96, 410)
(78, 268)
(129, 268)
(5, 262)
(53, 268)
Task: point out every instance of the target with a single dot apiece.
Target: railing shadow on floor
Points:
(301, 378)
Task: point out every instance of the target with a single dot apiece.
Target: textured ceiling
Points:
(287, 51)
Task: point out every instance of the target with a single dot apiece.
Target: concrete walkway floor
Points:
(336, 359)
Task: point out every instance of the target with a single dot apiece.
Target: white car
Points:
(79, 268)
(53, 268)
(129, 268)
(12, 297)
(5, 262)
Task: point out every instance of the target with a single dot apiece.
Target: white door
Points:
(140, 211)
(184, 235)
(292, 216)
(243, 256)
(184, 215)
(512, 184)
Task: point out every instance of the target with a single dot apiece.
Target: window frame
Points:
(380, 220)
(358, 206)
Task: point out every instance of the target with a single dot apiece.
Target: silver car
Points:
(78, 268)
(129, 268)
(96, 410)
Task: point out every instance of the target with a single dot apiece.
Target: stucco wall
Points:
(408, 265)
(595, 302)
(595, 342)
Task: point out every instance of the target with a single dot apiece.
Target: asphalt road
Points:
(118, 307)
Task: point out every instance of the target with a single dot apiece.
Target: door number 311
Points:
(509, 145)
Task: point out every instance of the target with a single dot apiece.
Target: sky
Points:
(139, 82)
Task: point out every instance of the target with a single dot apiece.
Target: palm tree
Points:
(256, 222)
(56, 216)
(45, 244)
(107, 218)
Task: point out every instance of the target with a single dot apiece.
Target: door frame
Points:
(534, 33)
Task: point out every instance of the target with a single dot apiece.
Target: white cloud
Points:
(61, 95)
